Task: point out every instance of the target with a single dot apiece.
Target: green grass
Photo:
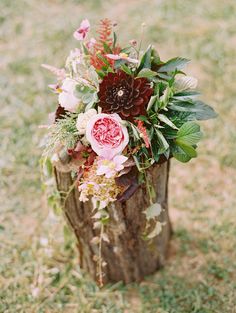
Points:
(38, 270)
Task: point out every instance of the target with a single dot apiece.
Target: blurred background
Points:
(38, 259)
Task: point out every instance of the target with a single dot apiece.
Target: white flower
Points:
(74, 59)
(83, 119)
(67, 98)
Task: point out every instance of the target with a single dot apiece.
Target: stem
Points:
(69, 191)
(141, 40)
(148, 188)
(100, 274)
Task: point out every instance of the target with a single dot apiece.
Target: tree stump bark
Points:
(129, 258)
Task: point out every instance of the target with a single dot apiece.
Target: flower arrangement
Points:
(120, 111)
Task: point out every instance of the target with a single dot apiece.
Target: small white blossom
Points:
(83, 119)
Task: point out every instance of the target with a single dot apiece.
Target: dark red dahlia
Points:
(124, 94)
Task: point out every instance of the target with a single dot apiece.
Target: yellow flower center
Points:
(123, 55)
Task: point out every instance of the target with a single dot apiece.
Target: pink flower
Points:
(106, 134)
(110, 168)
(59, 72)
(121, 56)
(82, 31)
(91, 43)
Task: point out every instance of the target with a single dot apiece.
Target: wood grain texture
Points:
(129, 258)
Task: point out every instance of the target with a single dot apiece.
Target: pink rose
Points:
(106, 134)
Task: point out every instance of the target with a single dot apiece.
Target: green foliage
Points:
(173, 65)
(163, 118)
(189, 283)
(162, 142)
(152, 102)
(146, 59)
(186, 94)
(86, 94)
(197, 110)
(186, 138)
(189, 134)
(183, 153)
(126, 69)
(147, 73)
(63, 132)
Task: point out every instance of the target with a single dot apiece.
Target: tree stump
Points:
(129, 258)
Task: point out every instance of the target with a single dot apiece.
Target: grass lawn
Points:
(38, 269)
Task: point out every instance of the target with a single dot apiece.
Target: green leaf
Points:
(189, 150)
(137, 163)
(165, 120)
(146, 59)
(85, 50)
(198, 109)
(204, 111)
(164, 99)
(164, 76)
(156, 58)
(104, 60)
(147, 73)
(135, 131)
(186, 95)
(179, 154)
(114, 39)
(47, 167)
(151, 102)
(169, 132)
(163, 144)
(189, 134)
(126, 69)
(173, 65)
(142, 118)
(167, 153)
(155, 149)
(101, 74)
(107, 49)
